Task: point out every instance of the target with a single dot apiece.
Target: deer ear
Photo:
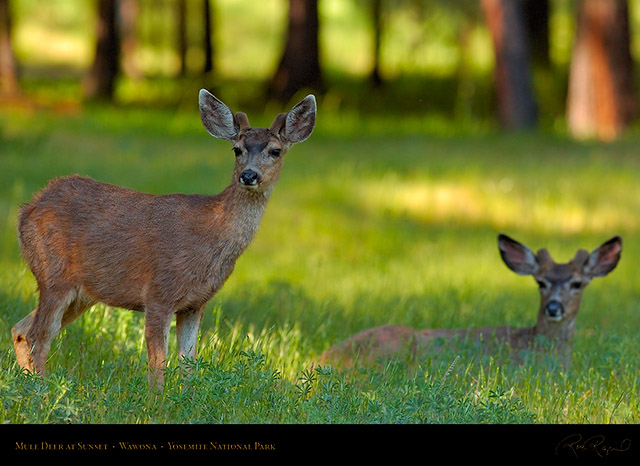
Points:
(300, 121)
(604, 258)
(517, 256)
(216, 117)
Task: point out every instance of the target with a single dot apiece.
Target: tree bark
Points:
(208, 47)
(517, 107)
(8, 72)
(536, 19)
(300, 65)
(376, 17)
(129, 13)
(100, 81)
(181, 18)
(601, 100)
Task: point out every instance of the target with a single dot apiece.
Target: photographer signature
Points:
(595, 444)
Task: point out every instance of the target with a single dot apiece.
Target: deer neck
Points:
(559, 333)
(244, 208)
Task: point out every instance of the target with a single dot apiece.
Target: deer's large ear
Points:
(300, 121)
(604, 258)
(517, 256)
(216, 117)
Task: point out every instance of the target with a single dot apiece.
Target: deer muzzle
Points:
(554, 310)
(250, 178)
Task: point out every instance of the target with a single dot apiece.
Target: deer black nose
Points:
(554, 309)
(249, 178)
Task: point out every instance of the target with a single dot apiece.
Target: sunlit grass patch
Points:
(499, 205)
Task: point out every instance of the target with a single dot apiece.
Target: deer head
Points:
(259, 151)
(561, 285)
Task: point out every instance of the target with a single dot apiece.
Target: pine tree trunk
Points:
(299, 67)
(601, 100)
(100, 81)
(536, 20)
(376, 17)
(8, 73)
(129, 13)
(208, 47)
(517, 108)
(181, 18)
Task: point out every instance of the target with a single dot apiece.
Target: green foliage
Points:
(250, 391)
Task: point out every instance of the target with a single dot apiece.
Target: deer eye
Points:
(275, 152)
(541, 284)
(237, 151)
(576, 285)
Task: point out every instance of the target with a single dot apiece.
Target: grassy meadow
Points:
(370, 224)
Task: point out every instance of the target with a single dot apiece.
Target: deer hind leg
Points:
(187, 326)
(32, 336)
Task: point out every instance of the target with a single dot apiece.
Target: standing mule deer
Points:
(561, 287)
(89, 242)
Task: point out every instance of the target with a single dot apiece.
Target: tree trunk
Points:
(100, 81)
(300, 65)
(536, 19)
(182, 35)
(376, 16)
(129, 13)
(8, 73)
(208, 47)
(517, 108)
(601, 100)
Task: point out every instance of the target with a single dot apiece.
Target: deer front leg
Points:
(157, 323)
(32, 336)
(21, 344)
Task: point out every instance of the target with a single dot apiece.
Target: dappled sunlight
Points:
(53, 33)
(54, 46)
(474, 202)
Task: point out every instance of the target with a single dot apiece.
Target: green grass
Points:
(376, 220)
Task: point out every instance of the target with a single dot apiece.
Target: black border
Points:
(326, 442)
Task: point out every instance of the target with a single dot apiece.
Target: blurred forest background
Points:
(566, 65)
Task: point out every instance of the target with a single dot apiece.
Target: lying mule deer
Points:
(561, 287)
(89, 242)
